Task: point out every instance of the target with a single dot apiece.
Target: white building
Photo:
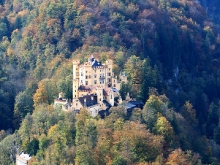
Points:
(24, 159)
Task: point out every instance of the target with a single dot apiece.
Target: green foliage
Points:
(217, 135)
(213, 119)
(32, 147)
(66, 87)
(8, 149)
(151, 78)
(125, 88)
(85, 138)
(178, 55)
(55, 10)
(119, 160)
(164, 128)
(23, 105)
(3, 29)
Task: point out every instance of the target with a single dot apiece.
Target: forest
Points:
(170, 50)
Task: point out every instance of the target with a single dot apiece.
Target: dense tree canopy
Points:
(170, 45)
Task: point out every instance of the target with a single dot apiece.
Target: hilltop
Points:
(170, 45)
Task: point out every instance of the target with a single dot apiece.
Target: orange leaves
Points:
(10, 52)
(40, 96)
(53, 22)
(178, 157)
(23, 13)
(137, 143)
(76, 33)
(52, 130)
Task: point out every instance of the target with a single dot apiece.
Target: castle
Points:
(95, 87)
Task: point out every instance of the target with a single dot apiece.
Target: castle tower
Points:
(75, 88)
(109, 63)
(76, 69)
(108, 72)
(99, 92)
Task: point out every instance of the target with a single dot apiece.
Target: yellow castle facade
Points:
(95, 87)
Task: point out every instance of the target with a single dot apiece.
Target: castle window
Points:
(109, 69)
(75, 90)
(100, 82)
(86, 71)
(95, 81)
(100, 100)
(89, 76)
(100, 70)
(114, 85)
(95, 76)
(109, 80)
(86, 77)
(86, 82)
(76, 104)
(109, 74)
(75, 95)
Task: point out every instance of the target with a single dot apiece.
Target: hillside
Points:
(171, 45)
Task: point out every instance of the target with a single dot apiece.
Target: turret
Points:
(75, 88)
(109, 63)
(76, 69)
(99, 91)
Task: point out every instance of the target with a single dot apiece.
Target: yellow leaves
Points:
(155, 102)
(97, 27)
(81, 9)
(178, 157)
(133, 68)
(136, 140)
(23, 13)
(10, 52)
(164, 128)
(24, 143)
(118, 125)
(87, 17)
(40, 96)
(189, 113)
(53, 22)
(131, 9)
(52, 130)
